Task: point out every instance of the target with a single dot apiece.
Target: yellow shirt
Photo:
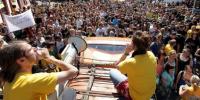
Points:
(141, 71)
(193, 93)
(27, 86)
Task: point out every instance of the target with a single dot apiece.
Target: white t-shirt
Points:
(79, 23)
(100, 31)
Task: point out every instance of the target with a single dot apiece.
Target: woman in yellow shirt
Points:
(140, 69)
(191, 92)
(16, 61)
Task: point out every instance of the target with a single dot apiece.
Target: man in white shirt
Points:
(101, 30)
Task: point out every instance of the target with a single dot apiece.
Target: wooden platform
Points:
(94, 84)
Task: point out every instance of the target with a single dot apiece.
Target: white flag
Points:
(20, 21)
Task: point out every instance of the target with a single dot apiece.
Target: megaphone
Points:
(75, 45)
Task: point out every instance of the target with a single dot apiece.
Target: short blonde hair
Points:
(171, 52)
(195, 79)
(189, 31)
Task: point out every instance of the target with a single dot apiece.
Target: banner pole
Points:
(8, 7)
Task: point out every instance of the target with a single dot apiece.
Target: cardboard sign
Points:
(20, 21)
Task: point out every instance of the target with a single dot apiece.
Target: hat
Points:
(189, 31)
(171, 52)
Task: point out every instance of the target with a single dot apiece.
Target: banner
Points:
(1, 4)
(20, 21)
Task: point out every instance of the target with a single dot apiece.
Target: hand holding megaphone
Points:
(42, 53)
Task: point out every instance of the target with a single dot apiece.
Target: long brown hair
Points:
(141, 41)
(9, 54)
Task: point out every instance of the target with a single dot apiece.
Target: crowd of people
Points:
(173, 27)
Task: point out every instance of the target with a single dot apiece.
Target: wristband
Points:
(126, 54)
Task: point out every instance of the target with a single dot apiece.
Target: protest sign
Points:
(20, 21)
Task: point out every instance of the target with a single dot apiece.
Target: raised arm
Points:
(68, 71)
(183, 90)
(128, 49)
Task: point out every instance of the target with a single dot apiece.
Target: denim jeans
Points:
(116, 76)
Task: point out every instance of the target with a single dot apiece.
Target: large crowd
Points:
(174, 29)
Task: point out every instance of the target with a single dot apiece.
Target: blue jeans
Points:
(117, 77)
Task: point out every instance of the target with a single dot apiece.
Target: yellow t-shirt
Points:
(141, 71)
(27, 86)
(193, 93)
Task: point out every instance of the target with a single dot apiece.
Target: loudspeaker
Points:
(75, 46)
(78, 42)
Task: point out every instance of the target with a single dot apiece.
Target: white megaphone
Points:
(75, 46)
